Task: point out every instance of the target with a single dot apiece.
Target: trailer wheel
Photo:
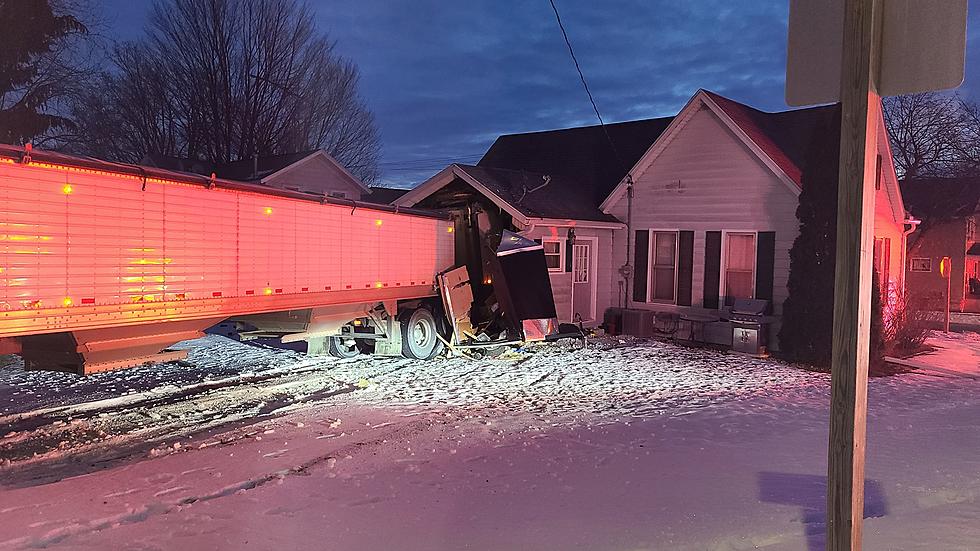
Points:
(341, 347)
(420, 339)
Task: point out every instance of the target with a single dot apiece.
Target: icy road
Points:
(619, 446)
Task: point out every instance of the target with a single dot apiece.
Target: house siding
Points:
(706, 179)
(316, 176)
(928, 289)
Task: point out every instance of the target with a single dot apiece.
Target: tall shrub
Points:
(808, 312)
(806, 334)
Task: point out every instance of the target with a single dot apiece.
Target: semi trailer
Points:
(106, 265)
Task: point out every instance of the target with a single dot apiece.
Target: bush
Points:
(905, 325)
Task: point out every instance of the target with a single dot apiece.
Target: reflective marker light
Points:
(67, 189)
(268, 291)
(378, 222)
(449, 229)
(67, 301)
(267, 211)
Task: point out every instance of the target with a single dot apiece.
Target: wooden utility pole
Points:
(860, 106)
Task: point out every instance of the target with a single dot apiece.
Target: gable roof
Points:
(540, 195)
(519, 193)
(242, 170)
(582, 156)
(783, 136)
(940, 199)
(247, 170)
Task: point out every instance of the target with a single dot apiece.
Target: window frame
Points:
(560, 253)
(651, 259)
(723, 268)
(928, 262)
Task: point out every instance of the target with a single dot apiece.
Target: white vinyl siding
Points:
(708, 180)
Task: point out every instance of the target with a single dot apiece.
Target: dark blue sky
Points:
(444, 78)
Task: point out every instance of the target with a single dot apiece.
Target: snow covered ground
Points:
(618, 446)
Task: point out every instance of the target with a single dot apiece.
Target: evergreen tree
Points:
(32, 67)
(806, 334)
(808, 312)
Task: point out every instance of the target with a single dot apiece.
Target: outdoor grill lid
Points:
(750, 307)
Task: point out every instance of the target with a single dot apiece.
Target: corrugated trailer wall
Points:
(81, 248)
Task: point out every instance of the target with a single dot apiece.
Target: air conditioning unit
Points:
(638, 323)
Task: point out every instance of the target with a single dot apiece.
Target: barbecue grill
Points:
(750, 330)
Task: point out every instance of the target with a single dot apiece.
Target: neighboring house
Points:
(715, 191)
(307, 171)
(949, 209)
(383, 195)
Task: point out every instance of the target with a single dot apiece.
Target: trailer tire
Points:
(338, 348)
(420, 338)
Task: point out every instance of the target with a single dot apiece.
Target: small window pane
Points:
(551, 247)
(553, 261)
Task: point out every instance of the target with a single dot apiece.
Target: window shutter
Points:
(765, 259)
(568, 256)
(712, 268)
(641, 250)
(685, 267)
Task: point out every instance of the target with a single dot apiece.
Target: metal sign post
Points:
(945, 267)
(852, 50)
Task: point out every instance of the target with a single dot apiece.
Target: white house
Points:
(713, 210)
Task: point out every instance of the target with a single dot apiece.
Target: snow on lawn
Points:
(619, 446)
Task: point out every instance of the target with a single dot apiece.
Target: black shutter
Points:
(685, 267)
(568, 256)
(641, 249)
(764, 264)
(712, 268)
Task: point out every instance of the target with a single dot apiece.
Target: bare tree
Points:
(223, 80)
(926, 133)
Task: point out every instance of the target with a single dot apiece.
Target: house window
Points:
(882, 261)
(338, 194)
(739, 267)
(920, 264)
(554, 255)
(663, 269)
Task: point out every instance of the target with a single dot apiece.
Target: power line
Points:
(430, 160)
(585, 84)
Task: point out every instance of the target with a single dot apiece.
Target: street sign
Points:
(923, 47)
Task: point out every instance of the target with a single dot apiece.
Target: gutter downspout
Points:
(914, 223)
(627, 270)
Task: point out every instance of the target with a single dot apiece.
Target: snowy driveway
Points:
(618, 446)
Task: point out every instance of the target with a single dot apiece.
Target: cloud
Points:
(445, 78)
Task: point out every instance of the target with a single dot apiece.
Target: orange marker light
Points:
(378, 222)
(67, 189)
(267, 211)
(268, 291)
(449, 229)
(378, 285)
(67, 301)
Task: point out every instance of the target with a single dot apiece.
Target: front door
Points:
(583, 281)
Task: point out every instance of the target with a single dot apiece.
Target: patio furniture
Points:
(696, 323)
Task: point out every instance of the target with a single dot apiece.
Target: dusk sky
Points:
(445, 78)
